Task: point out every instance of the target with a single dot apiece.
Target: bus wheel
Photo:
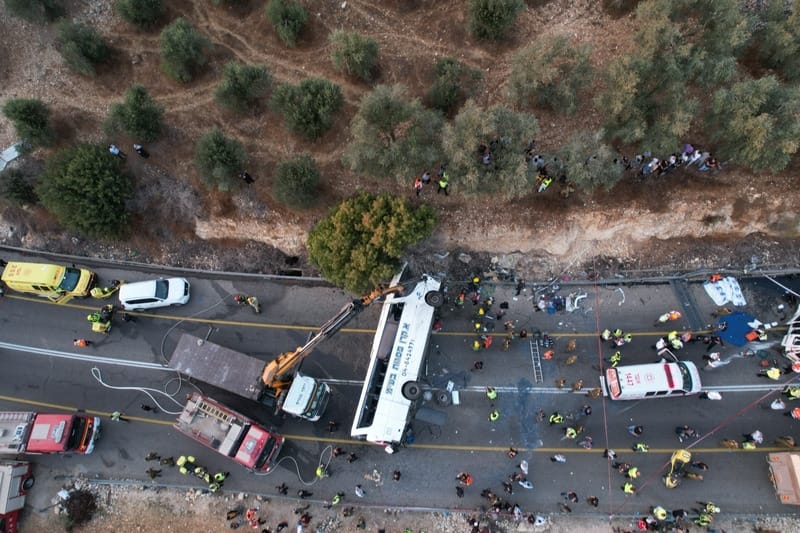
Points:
(411, 390)
(28, 483)
(434, 298)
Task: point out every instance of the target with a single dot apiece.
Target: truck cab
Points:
(307, 398)
(39, 433)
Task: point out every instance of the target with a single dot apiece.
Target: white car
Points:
(154, 293)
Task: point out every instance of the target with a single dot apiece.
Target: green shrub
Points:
(296, 182)
(31, 120)
(85, 190)
(242, 86)
(17, 188)
(139, 116)
(219, 160)
(491, 19)
(144, 14)
(454, 83)
(308, 108)
(358, 245)
(182, 50)
(35, 10)
(81, 47)
(288, 18)
(354, 54)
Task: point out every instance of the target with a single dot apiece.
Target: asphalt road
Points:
(737, 480)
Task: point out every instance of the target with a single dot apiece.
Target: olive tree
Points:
(454, 83)
(144, 14)
(550, 73)
(393, 136)
(182, 50)
(288, 18)
(296, 182)
(778, 39)
(354, 54)
(31, 120)
(491, 19)
(309, 107)
(39, 11)
(86, 190)
(139, 115)
(242, 87)
(360, 242)
(501, 132)
(81, 47)
(589, 162)
(755, 123)
(219, 160)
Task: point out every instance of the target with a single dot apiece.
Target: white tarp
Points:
(9, 154)
(724, 291)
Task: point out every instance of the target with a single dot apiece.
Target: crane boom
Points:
(275, 371)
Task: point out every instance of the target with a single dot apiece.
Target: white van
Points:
(657, 380)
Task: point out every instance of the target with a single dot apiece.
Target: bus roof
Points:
(383, 411)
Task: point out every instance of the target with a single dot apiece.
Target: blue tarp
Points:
(737, 328)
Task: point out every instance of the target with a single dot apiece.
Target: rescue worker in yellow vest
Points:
(570, 433)
(641, 447)
(748, 445)
(672, 335)
(219, 477)
(632, 473)
(704, 519)
(494, 415)
(476, 346)
(793, 393)
(491, 393)
(618, 333)
(556, 418)
(771, 373)
(213, 487)
(659, 513)
(337, 498)
(629, 488)
(711, 508)
(606, 335)
(627, 338)
(443, 185)
(615, 358)
(321, 472)
(181, 464)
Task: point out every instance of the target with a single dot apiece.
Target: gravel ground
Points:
(146, 509)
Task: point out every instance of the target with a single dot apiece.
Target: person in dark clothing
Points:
(246, 177)
(139, 149)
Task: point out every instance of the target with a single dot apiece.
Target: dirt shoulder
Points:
(172, 510)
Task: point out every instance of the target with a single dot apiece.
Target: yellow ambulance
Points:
(56, 282)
